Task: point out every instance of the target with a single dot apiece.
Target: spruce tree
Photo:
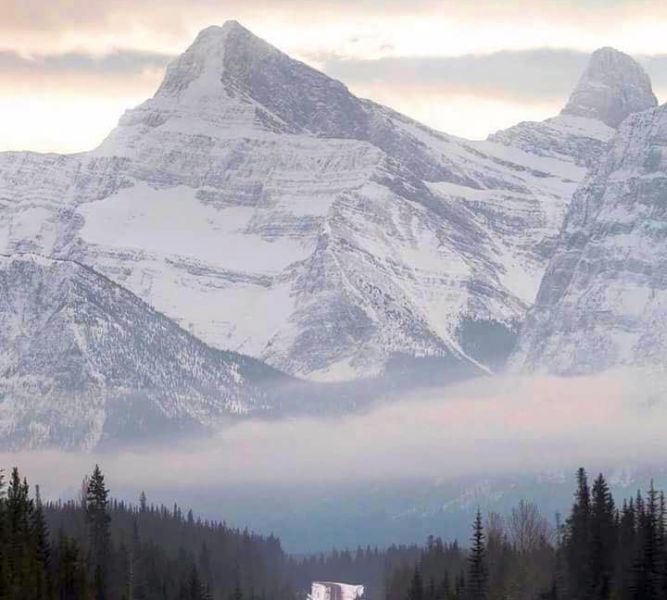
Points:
(416, 591)
(577, 548)
(4, 550)
(626, 550)
(477, 570)
(460, 587)
(99, 539)
(40, 548)
(648, 567)
(71, 580)
(19, 549)
(602, 540)
(445, 587)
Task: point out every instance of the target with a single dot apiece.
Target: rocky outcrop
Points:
(603, 299)
(85, 362)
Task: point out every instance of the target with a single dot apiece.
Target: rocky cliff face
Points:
(603, 299)
(612, 87)
(85, 362)
(267, 210)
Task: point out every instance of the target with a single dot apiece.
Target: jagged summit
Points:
(252, 184)
(207, 59)
(230, 78)
(613, 86)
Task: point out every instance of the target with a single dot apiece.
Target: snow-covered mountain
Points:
(612, 87)
(603, 300)
(85, 362)
(267, 210)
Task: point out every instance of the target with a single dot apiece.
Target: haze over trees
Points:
(600, 552)
(96, 547)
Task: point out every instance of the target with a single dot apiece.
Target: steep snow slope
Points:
(267, 210)
(603, 300)
(83, 361)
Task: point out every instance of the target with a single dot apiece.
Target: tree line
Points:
(98, 548)
(600, 552)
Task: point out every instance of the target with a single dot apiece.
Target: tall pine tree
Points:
(603, 533)
(577, 547)
(648, 567)
(99, 539)
(477, 570)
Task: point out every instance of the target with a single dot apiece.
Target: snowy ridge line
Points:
(251, 184)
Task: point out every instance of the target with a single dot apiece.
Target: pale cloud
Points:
(468, 68)
(459, 111)
(539, 74)
(536, 74)
(370, 27)
(474, 95)
(76, 72)
(70, 102)
(500, 425)
(53, 121)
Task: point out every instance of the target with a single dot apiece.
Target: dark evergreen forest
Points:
(99, 548)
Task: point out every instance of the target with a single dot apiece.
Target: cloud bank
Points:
(470, 68)
(489, 426)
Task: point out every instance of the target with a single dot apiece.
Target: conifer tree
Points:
(602, 540)
(18, 512)
(416, 591)
(40, 548)
(577, 542)
(626, 550)
(4, 554)
(460, 587)
(71, 581)
(445, 587)
(99, 539)
(477, 570)
(647, 573)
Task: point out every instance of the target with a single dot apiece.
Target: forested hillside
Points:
(96, 547)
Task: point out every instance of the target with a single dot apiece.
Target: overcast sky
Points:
(68, 68)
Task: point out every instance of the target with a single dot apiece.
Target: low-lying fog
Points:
(412, 466)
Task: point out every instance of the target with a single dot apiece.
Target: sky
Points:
(68, 68)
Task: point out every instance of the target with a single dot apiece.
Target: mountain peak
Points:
(229, 75)
(226, 35)
(232, 24)
(208, 59)
(613, 86)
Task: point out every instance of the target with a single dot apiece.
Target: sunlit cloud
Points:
(70, 102)
(397, 27)
(462, 67)
(52, 122)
